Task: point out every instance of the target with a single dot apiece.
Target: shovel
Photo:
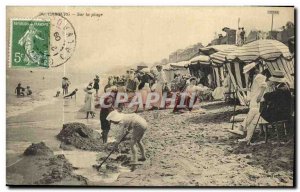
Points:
(115, 147)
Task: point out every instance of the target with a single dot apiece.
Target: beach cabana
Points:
(181, 64)
(172, 68)
(209, 50)
(273, 54)
(218, 60)
(199, 60)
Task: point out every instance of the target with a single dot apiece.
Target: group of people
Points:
(273, 90)
(146, 81)
(21, 91)
(262, 86)
(269, 99)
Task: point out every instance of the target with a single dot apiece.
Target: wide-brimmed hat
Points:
(114, 116)
(248, 67)
(192, 78)
(278, 76)
(89, 87)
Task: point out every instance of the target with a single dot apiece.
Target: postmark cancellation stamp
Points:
(41, 42)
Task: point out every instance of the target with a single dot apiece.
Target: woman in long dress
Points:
(89, 106)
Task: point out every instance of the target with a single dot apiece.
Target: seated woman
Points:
(278, 102)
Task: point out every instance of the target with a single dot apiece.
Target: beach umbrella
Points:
(265, 49)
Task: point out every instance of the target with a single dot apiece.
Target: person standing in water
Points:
(89, 106)
(96, 84)
(19, 90)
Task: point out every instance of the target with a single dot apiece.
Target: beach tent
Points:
(199, 66)
(213, 66)
(172, 68)
(273, 54)
(218, 60)
(209, 50)
(181, 64)
(199, 60)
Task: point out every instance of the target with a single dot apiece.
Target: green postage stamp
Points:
(29, 43)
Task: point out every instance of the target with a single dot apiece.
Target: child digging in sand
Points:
(136, 124)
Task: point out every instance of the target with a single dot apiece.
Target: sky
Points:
(124, 36)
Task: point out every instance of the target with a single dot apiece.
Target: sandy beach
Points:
(173, 84)
(191, 149)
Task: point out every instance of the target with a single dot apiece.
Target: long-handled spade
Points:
(115, 147)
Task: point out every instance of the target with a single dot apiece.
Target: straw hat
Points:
(192, 78)
(248, 67)
(278, 76)
(114, 116)
(89, 87)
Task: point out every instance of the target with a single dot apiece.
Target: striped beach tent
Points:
(218, 60)
(273, 55)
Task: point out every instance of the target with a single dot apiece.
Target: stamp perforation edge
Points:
(10, 39)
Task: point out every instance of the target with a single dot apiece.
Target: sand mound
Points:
(59, 169)
(41, 167)
(80, 136)
(38, 149)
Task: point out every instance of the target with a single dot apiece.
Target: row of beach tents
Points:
(273, 55)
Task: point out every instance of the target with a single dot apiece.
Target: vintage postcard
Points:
(150, 96)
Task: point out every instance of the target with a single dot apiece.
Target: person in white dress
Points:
(89, 105)
(256, 85)
(161, 81)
